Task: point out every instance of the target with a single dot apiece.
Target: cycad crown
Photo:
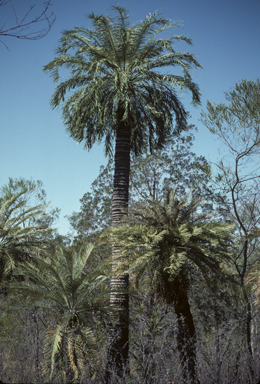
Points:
(115, 79)
(163, 237)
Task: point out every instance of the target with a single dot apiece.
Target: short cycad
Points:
(166, 240)
(60, 281)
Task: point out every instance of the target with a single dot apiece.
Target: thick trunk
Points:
(72, 361)
(117, 357)
(186, 330)
(37, 357)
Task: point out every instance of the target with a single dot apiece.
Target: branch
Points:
(20, 28)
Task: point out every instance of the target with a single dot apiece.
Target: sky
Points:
(33, 141)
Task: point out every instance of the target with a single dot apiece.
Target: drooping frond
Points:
(52, 347)
(116, 65)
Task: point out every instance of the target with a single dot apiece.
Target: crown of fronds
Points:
(115, 67)
(60, 280)
(162, 237)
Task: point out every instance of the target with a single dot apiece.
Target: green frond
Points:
(9, 264)
(80, 259)
(52, 347)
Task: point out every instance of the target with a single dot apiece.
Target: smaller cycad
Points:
(165, 241)
(60, 281)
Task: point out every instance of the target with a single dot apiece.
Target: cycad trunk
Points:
(117, 356)
(186, 330)
(37, 338)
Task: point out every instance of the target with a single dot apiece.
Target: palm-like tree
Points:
(19, 235)
(60, 281)
(116, 92)
(165, 241)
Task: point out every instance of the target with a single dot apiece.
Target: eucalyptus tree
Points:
(117, 93)
(152, 175)
(60, 281)
(165, 241)
(95, 208)
(236, 123)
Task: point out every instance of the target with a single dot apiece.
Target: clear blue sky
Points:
(33, 140)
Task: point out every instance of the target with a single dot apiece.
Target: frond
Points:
(80, 259)
(52, 347)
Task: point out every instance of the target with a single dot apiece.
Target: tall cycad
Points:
(164, 241)
(117, 93)
(59, 281)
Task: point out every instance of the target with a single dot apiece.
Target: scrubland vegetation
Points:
(159, 279)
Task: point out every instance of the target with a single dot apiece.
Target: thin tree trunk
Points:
(242, 272)
(117, 355)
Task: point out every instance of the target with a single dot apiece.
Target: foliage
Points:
(253, 279)
(237, 121)
(174, 165)
(160, 225)
(116, 93)
(95, 208)
(163, 236)
(24, 227)
(21, 345)
(34, 194)
(114, 66)
(237, 125)
(59, 281)
(164, 242)
(151, 176)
